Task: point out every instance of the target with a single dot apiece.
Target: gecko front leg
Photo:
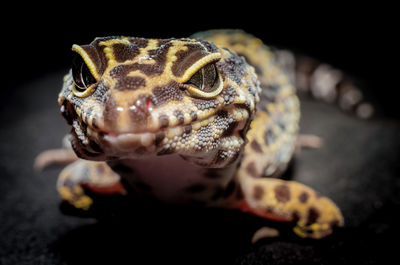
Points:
(82, 178)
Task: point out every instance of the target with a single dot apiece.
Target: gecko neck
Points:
(172, 179)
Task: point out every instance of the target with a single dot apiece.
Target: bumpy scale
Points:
(211, 119)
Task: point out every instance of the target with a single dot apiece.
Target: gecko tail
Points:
(324, 82)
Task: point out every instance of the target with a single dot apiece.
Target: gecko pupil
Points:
(81, 73)
(206, 79)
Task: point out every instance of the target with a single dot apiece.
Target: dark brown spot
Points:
(164, 121)
(124, 52)
(231, 127)
(159, 137)
(313, 215)
(252, 170)
(130, 83)
(258, 192)
(282, 193)
(295, 215)
(147, 69)
(179, 115)
(187, 129)
(193, 116)
(167, 93)
(303, 198)
(160, 55)
(256, 146)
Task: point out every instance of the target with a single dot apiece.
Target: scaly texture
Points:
(208, 119)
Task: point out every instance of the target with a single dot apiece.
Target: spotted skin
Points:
(210, 119)
(79, 177)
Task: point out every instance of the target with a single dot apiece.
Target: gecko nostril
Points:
(149, 105)
(140, 109)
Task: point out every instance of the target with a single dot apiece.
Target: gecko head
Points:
(134, 97)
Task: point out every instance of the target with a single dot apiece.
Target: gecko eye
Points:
(206, 79)
(81, 74)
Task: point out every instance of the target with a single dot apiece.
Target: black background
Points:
(36, 42)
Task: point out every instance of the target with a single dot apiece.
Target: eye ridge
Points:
(81, 74)
(205, 79)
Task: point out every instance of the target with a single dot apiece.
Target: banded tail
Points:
(324, 82)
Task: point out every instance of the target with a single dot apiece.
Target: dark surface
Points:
(357, 167)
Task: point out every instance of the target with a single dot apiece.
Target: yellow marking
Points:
(109, 51)
(75, 197)
(84, 202)
(82, 94)
(152, 44)
(78, 111)
(90, 64)
(257, 126)
(111, 42)
(299, 232)
(138, 73)
(199, 64)
(65, 193)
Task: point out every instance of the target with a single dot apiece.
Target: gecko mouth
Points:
(201, 136)
(95, 144)
(89, 142)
